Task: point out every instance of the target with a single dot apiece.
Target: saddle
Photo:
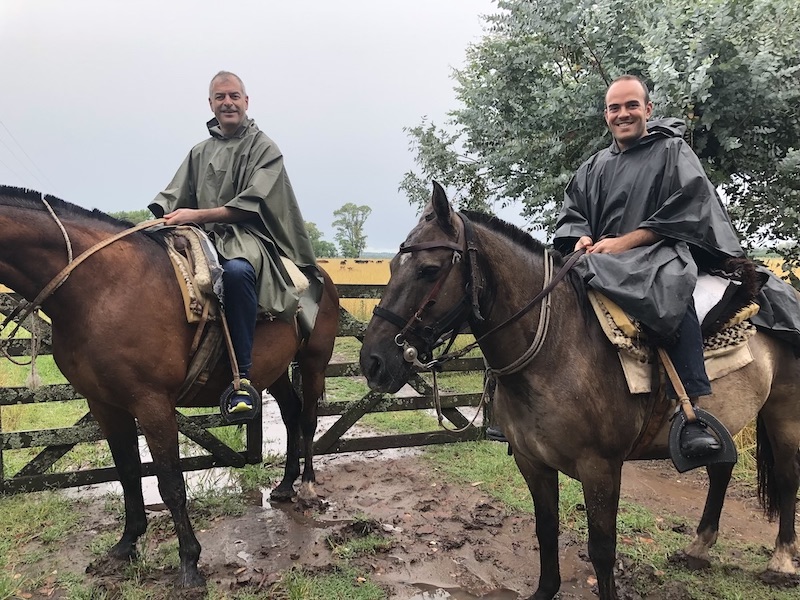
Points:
(724, 317)
(199, 274)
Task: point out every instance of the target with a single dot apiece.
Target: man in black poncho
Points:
(647, 216)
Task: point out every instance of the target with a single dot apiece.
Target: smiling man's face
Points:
(228, 103)
(627, 112)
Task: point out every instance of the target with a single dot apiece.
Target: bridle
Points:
(468, 310)
(432, 336)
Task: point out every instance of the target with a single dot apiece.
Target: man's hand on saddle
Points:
(616, 245)
(182, 216)
(223, 214)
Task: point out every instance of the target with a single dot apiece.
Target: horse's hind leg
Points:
(313, 381)
(119, 429)
(696, 552)
(160, 428)
(778, 478)
(289, 404)
(786, 477)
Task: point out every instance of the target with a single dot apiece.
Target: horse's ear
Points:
(441, 206)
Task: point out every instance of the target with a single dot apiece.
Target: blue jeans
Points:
(687, 356)
(241, 306)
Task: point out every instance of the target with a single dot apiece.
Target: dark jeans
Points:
(241, 305)
(687, 356)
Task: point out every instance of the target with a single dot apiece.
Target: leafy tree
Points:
(321, 247)
(531, 103)
(349, 224)
(134, 216)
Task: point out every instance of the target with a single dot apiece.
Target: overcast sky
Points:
(102, 99)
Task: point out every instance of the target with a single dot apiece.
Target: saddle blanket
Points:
(724, 352)
(197, 268)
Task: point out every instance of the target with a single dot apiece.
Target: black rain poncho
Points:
(659, 184)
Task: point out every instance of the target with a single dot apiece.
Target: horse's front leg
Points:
(289, 404)
(160, 428)
(601, 483)
(119, 428)
(543, 485)
(707, 531)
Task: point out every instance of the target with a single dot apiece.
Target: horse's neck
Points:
(516, 275)
(33, 248)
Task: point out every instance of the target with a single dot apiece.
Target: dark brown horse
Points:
(566, 406)
(121, 338)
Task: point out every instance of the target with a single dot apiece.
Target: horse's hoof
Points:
(307, 495)
(280, 494)
(780, 580)
(189, 585)
(693, 563)
(123, 552)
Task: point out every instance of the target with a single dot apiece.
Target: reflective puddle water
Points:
(274, 435)
(432, 592)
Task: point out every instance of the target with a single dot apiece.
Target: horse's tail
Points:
(768, 495)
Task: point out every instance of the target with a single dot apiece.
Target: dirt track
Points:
(448, 541)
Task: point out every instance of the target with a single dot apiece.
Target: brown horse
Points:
(566, 406)
(121, 338)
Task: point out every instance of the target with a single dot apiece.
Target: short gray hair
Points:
(226, 75)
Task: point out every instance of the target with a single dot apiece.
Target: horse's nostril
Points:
(375, 366)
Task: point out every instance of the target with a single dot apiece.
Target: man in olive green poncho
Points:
(234, 184)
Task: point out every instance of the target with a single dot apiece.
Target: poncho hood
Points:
(668, 127)
(248, 125)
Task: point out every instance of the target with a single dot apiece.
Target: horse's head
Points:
(424, 299)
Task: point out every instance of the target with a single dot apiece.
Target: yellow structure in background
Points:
(365, 271)
(776, 266)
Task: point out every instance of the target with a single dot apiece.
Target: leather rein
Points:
(468, 310)
(24, 308)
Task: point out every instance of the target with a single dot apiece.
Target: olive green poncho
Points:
(246, 172)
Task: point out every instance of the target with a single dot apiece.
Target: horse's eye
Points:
(428, 272)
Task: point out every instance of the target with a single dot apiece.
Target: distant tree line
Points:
(348, 222)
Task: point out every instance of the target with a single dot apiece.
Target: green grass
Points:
(344, 389)
(44, 518)
(339, 583)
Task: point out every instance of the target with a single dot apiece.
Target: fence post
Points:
(2, 466)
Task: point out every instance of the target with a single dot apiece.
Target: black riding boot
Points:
(495, 434)
(696, 441)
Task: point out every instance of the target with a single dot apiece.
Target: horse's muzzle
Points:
(384, 375)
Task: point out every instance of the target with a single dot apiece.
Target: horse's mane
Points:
(511, 232)
(524, 239)
(32, 200)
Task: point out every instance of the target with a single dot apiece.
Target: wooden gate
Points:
(38, 473)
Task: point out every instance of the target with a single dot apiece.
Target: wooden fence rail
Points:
(39, 473)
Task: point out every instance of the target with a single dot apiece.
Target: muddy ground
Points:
(447, 541)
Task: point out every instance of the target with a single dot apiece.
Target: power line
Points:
(13, 172)
(26, 154)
